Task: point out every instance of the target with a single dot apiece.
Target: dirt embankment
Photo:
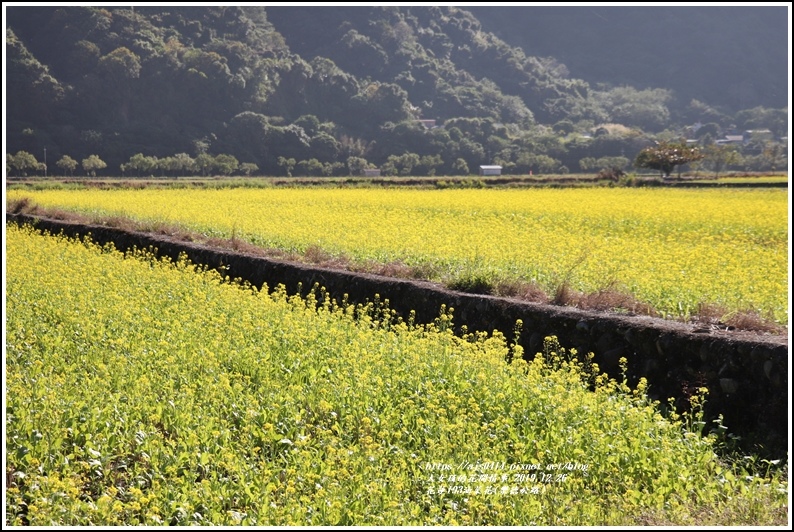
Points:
(746, 373)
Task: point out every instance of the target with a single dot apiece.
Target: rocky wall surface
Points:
(746, 373)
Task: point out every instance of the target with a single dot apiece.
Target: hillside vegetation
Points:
(323, 91)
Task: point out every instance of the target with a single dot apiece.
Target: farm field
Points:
(674, 250)
(142, 392)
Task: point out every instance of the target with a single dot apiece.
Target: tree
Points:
(776, 120)
(356, 165)
(120, 65)
(184, 163)
(309, 123)
(325, 147)
(708, 129)
(774, 155)
(248, 168)
(286, 164)
(201, 146)
(67, 163)
(23, 162)
(311, 167)
(168, 165)
(204, 163)
(707, 140)
(564, 127)
(92, 164)
(607, 166)
(142, 164)
(719, 156)
(459, 167)
(665, 156)
(402, 164)
(378, 103)
(646, 109)
(606, 163)
(226, 164)
(83, 58)
(588, 163)
(538, 163)
(428, 165)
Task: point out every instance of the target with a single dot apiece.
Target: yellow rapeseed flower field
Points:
(143, 392)
(673, 249)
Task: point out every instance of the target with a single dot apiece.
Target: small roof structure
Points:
(490, 169)
(731, 139)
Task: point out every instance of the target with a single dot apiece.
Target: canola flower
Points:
(672, 249)
(143, 392)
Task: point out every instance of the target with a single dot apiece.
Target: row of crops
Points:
(674, 250)
(143, 392)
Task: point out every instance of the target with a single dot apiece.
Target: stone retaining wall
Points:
(746, 373)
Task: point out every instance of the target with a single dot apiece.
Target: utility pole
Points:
(45, 161)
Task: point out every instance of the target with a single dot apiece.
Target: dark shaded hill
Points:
(439, 55)
(731, 56)
(319, 91)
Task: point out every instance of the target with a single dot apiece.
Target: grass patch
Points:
(473, 284)
(612, 298)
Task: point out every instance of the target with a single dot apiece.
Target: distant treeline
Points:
(759, 154)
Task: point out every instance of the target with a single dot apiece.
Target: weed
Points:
(473, 284)
(528, 291)
(22, 205)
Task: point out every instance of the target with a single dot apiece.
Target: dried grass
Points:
(750, 320)
(523, 290)
(316, 255)
(22, 205)
(611, 297)
(395, 269)
(744, 320)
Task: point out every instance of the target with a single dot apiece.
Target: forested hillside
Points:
(728, 56)
(330, 91)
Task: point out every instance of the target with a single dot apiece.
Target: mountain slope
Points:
(323, 91)
(731, 56)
